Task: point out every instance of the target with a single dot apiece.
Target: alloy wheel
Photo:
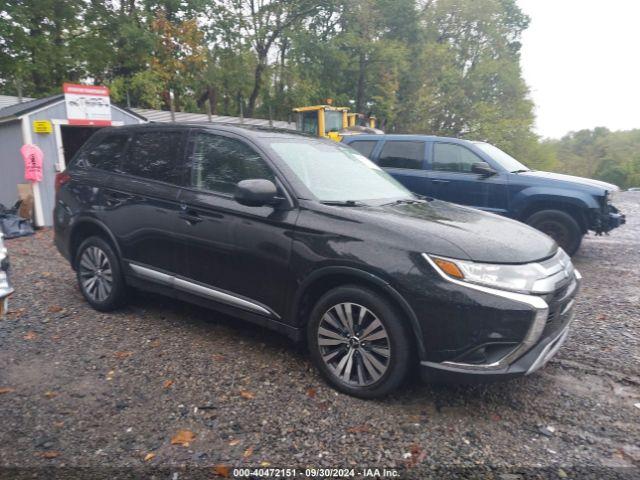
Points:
(354, 344)
(96, 276)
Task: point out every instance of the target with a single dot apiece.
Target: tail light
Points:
(61, 179)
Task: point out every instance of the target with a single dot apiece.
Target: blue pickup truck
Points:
(481, 175)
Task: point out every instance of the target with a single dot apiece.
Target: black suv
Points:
(310, 238)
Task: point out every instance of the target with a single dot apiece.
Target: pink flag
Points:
(33, 157)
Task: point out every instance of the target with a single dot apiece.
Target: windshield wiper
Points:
(522, 170)
(408, 201)
(343, 203)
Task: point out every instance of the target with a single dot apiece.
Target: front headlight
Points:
(525, 278)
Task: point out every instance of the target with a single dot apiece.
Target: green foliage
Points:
(599, 153)
(443, 67)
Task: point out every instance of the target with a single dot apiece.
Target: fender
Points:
(367, 277)
(84, 220)
(528, 196)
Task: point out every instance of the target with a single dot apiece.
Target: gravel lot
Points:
(88, 389)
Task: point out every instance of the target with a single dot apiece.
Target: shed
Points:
(17, 128)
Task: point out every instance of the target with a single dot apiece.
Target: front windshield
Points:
(336, 173)
(507, 161)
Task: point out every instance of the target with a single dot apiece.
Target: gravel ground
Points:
(87, 389)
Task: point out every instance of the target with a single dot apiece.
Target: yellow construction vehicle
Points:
(322, 120)
(333, 122)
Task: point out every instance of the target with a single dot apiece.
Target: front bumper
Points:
(605, 220)
(533, 360)
(552, 315)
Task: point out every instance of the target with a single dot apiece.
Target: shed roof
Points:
(19, 109)
(6, 100)
(164, 116)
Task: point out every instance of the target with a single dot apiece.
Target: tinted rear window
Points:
(365, 147)
(396, 154)
(106, 155)
(154, 155)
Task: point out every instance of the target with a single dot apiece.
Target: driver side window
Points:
(218, 163)
(449, 157)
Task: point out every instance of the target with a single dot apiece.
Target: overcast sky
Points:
(581, 60)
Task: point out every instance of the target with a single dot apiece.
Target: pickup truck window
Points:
(397, 154)
(449, 157)
(365, 147)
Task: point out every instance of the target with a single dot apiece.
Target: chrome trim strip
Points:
(549, 351)
(538, 304)
(151, 274)
(196, 289)
(219, 296)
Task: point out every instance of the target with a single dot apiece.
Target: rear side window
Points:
(449, 157)
(106, 155)
(153, 155)
(365, 147)
(218, 163)
(397, 154)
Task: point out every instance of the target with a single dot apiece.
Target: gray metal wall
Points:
(47, 143)
(11, 163)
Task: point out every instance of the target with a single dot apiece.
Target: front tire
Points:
(560, 226)
(358, 342)
(99, 275)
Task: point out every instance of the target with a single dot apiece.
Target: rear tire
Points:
(99, 275)
(560, 226)
(358, 342)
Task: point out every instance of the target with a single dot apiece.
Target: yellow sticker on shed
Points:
(42, 126)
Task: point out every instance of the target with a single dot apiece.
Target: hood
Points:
(445, 229)
(571, 179)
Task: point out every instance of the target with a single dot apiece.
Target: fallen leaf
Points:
(183, 437)
(235, 442)
(149, 456)
(222, 470)
(55, 309)
(264, 463)
(248, 452)
(311, 392)
(58, 424)
(55, 337)
(45, 274)
(359, 429)
(6, 390)
(50, 394)
(155, 343)
(51, 454)
(123, 355)
(217, 357)
(31, 335)
(167, 383)
(247, 394)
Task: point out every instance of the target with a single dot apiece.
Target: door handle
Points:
(190, 217)
(440, 181)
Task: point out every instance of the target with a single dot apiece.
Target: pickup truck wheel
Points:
(560, 226)
(359, 342)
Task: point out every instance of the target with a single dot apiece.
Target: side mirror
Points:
(255, 192)
(483, 168)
